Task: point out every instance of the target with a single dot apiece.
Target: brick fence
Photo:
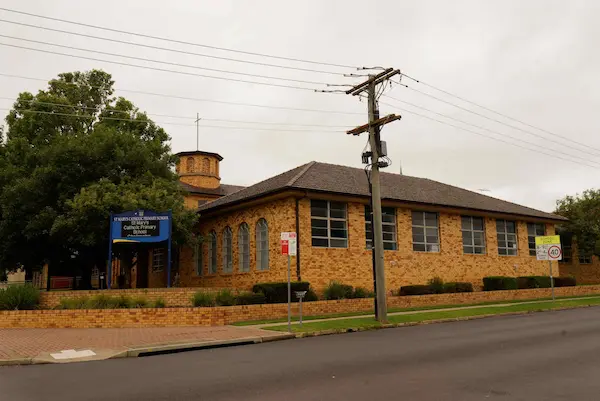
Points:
(112, 318)
(171, 296)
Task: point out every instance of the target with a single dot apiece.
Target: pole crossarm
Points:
(375, 80)
(377, 123)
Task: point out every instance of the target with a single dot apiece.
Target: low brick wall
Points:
(112, 318)
(172, 296)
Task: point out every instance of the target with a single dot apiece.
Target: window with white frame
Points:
(473, 234)
(534, 230)
(328, 224)
(199, 257)
(425, 232)
(244, 247)
(227, 250)
(262, 245)
(158, 259)
(212, 253)
(506, 232)
(388, 222)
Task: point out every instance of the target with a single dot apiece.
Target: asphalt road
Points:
(544, 356)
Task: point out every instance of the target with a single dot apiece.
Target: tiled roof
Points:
(323, 177)
(222, 190)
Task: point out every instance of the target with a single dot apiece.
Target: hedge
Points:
(533, 282)
(277, 292)
(565, 281)
(419, 289)
(495, 283)
(250, 298)
(436, 286)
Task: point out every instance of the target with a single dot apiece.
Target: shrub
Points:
(73, 303)
(360, 292)
(436, 285)
(202, 298)
(159, 303)
(102, 301)
(457, 286)
(277, 292)
(19, 297)
(310, 296)
(568, 281)
(493, 283)
(139, 302)
(533, 282)
(419, 289)
(225, 298)
(336, 290)
(250, 298)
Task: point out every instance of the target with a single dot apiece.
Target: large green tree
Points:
(71, 155)
(583, 212)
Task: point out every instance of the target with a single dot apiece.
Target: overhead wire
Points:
(489, 137)
(163, 62)
(126, 42)
(484, 128)
(495, 112)
(160, 69)
(177, 41)
(146, 93)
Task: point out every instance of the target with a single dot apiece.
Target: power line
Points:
(487, 136)
(487, 129)
(163, 62)
(496, 112)
(505, 124)
(170, 115)
(178, 41)
(197, 99)
(156, 122)
(160, 69)
(172, 50)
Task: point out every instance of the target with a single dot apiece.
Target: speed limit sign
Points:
(548, 247)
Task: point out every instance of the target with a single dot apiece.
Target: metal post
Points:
(300, 306)
(197, 131)
(289, 273)
(109, 264)
(169, 250)
(551, 278)
(376, 202)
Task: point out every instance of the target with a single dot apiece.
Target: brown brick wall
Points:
(112, 318)
(584, 273)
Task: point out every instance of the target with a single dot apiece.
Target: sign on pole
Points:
(289, 243)
(548, 247)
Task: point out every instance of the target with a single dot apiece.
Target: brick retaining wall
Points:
(112, 318)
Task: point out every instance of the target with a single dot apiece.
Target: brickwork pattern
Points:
(115, 318)
(584, 273)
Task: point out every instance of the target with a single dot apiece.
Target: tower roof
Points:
(199, 152)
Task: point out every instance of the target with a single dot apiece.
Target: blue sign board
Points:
(140, 226)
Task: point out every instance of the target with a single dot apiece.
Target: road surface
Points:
(543, 356)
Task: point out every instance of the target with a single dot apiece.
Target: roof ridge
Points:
(301, 173)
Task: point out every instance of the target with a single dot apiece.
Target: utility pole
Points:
(197, 131)
(377, 151)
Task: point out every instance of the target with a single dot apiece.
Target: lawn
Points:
(393, 310)
(369, 322)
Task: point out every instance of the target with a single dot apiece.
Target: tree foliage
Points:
(64, 169)
(583, 212)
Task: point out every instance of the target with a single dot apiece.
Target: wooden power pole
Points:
(373, 128)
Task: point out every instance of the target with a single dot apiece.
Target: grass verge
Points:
(369, 322)
(393, 310)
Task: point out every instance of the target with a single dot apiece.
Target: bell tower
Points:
(200, 169)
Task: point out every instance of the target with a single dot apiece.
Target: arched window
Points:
(206, 165)
(227, 250)
(190, 164)
(199, 258)
(244, 247)
(212, 253)
(262, 245)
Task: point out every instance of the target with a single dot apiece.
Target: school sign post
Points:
(548, 248)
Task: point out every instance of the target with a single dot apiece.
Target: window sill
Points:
(425, 252)
(509, 256)
(262, 271)
(475, 254)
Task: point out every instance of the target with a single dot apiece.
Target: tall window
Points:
(585, 258)
(227, 250)
(159, 258)
(534, 230)
(206, 165)
(244, 247)
(473, 234)
(199, 257)
(328, 224)
(425, 232)
(190, 165)
(212, 253)
(567, 248)
(507, 237)
(388, 222)
(262, 245)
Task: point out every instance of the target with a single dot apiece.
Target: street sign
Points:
(288, 243)
(548, 247)
(300, 294)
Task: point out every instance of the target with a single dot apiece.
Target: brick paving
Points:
(28, 343)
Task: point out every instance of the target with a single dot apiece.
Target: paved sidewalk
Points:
(17, 346)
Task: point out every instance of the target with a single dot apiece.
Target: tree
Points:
(583, 212)
(64, 169)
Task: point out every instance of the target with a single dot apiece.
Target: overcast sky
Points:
(536, 61)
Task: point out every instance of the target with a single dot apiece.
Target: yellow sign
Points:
(547, 240)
